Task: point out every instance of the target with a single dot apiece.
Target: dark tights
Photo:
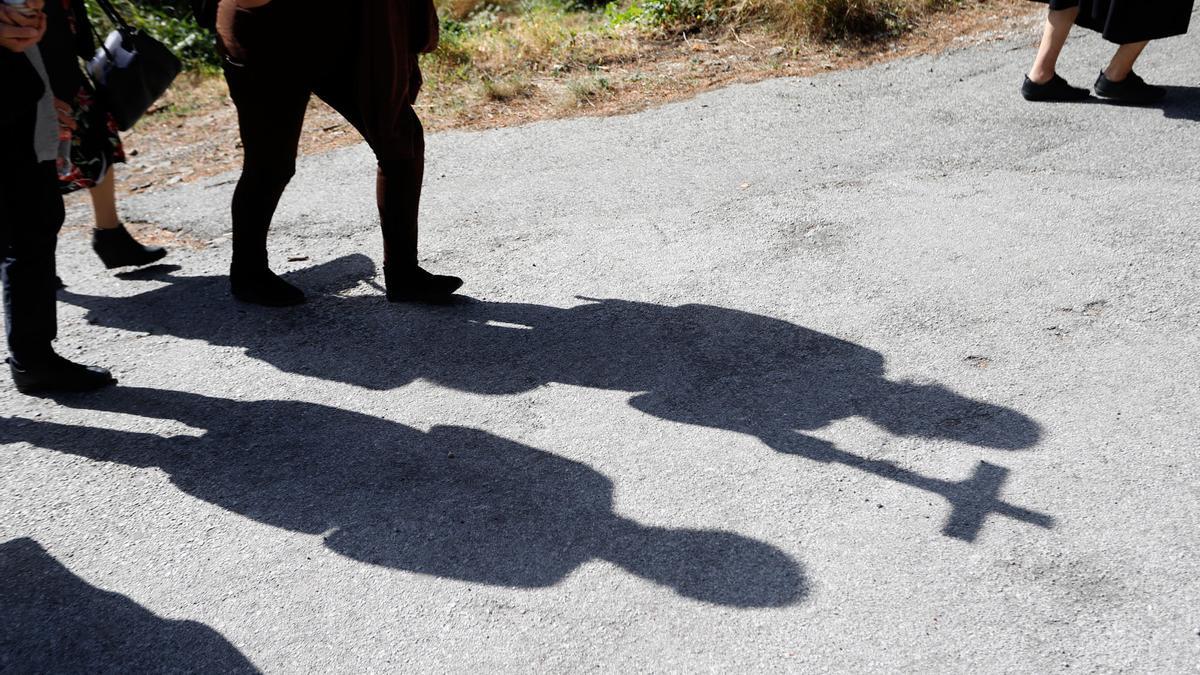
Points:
(271, 103)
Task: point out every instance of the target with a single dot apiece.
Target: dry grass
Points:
(829, 20)
(507, 88)
(585, 91)
(506, 50)
(840, 19)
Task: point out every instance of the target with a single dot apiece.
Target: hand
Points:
(66, 118)
(20, 31)
(251, 4)
(31, 8)
(29, 16)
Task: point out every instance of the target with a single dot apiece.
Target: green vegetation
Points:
(169, 21)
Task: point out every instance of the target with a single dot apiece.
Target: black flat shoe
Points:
(1132, 90)
(1055, 90)
(118, 248)
(264, 287)
(417, 285)
(58, 374)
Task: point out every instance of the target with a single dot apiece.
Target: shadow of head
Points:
(453, 502)
(716, 567)
(932, 411)
(53, 621)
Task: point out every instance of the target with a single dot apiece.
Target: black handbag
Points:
(128, 84)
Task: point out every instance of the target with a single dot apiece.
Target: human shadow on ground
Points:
(454, 502)
(1181, 103)
(697, 364)
(51, 621)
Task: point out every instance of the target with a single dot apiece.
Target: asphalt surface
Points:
(876, 371)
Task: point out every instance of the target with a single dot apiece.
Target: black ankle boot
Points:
(263, 287)
(58, 374)
(414, 284)
(118, 248)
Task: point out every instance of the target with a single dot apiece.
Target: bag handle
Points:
(100, 40)
(116, 17)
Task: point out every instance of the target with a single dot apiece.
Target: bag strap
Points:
(114, 15)
(100, 40)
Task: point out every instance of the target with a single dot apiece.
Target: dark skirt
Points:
(95, 144)
(1128, 21)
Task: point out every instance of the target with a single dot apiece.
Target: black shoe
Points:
(416, 285)
(58, 374)
(264, 287)
(1055, 90)
(1132, 89)
(118, 248)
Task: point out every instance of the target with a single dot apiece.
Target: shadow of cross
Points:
(977, 497)
(971, 500)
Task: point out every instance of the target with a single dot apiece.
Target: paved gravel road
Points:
(883, 370)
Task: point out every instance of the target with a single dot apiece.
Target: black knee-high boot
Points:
(398, 193)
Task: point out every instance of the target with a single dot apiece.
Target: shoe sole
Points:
(1055, 99)
(428, 298)
(1130, 102)
(36, 390)
(114, 265)
(260, 303)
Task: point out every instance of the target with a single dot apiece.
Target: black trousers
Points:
(31, 214)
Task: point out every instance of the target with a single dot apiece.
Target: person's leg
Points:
(1119, 84)
(1043, 82)
(398, 140)
(110, 240)
(32, 213)
(399, 181)
(1122, 61)
(1054, 37)
(104, 203)
(398, 185)
(270, 108)
(32, 217)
